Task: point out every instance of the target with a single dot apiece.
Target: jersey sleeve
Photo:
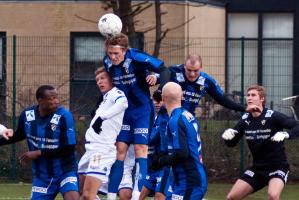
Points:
(215, 91)
(19, 134)
(68, 134)
(120, 103)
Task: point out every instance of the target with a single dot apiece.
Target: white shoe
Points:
(111, 196)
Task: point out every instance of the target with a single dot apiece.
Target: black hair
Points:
(40, 92)
(157, 96)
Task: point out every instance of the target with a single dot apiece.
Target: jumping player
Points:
(264, 132)
(195, 84)
(129, 68)
(100, 137)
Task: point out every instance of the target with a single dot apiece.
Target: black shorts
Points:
(259, 178)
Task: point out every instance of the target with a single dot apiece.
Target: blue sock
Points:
(142, 162)
(115, 176)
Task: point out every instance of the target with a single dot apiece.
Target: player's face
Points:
(50, 102)
(192, 71)
(104, 82)
(253, 98)
(157, 105)
(116, 54)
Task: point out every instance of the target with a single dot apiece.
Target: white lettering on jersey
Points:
(188, 115)
(39, 189)
(249, 173)
(30, 116)
(176, 197)
(70, 179)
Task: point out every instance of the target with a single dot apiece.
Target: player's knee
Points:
(87, 196)
(273, 195)
(140, 150)
(125, 196)
(230, 197)
(159, 196)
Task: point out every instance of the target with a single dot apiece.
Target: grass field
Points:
(215, 192)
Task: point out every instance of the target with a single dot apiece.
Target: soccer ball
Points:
(110, 25)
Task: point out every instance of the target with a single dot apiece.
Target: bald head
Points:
(172, 95)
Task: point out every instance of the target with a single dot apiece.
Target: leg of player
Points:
(71, 195)
(159, 196)
(117, 170)
(275, 188)
(144, 193)
(90, 189)
(81, 183)
(141, 168)
(240, 190)
(125, 194)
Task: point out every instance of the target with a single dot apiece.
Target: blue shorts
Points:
(47, 189)
(159, 181)
(137, 124)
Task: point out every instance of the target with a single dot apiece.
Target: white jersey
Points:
(110, 112)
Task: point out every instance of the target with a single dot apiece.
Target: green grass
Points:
(215, 192)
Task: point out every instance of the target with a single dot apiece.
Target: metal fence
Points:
(68, 64)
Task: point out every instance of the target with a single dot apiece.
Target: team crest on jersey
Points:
(263, 122)
(188, 115)
(53, 127)
(30, 116)
(55, 119)
(180, 77)
(269, 113)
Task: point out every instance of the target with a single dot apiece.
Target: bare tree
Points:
(127, 11)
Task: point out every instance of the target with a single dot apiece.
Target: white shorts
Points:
(96, 164)
(126, 181)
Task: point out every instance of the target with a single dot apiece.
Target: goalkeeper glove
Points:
(280, 136)
(229, 134)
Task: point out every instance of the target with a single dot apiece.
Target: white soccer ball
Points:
(110, 25)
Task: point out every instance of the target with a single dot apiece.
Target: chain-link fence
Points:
(68, 63)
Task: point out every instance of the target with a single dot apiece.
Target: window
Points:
(87, 52)
(268, 54)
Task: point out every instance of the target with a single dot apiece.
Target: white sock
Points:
(111, 196)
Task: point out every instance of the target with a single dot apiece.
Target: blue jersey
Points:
(194, 91)
(130, 76)
(158, 137)
(49, 133)
(188, 170)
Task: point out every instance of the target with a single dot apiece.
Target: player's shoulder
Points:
(188, 116)
(62, 111)
(140, 56)
(178, 68)
(116, 92)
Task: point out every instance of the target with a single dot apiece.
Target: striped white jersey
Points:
(106, 124)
